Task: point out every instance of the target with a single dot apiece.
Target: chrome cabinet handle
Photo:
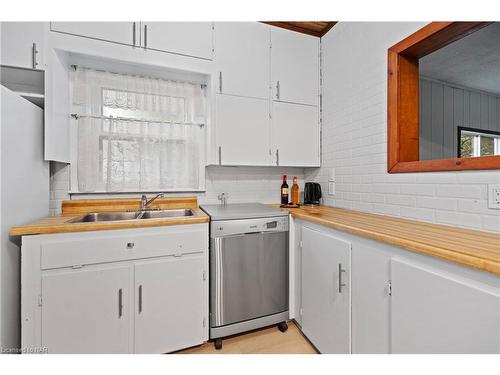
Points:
(220, 82)
(341, 284)
(220, 155)
(34, 53)
(140, 299)
(278, 90)
(133, 33)
(277, 157)
(120, 304)
(145, 36)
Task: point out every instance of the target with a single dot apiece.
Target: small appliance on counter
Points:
(312, 193)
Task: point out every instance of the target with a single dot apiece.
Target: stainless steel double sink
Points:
(131, 215)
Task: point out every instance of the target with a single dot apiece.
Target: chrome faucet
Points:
(223, 198)
(145, 202)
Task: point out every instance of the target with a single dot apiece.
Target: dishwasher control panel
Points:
(232, 227)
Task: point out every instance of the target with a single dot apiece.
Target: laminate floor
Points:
(263, 341)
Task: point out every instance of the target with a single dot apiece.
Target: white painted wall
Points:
(244, 184)
(354, 138)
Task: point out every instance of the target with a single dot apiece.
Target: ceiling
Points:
(472, 62)
(315, 28)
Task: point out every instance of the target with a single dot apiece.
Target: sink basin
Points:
(132, 215)
(106, 216)
(165, 213)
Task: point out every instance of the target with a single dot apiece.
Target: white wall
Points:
(354, 138)
(244, 184)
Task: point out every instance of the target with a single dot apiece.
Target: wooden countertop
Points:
(471, 248)
(76, 208)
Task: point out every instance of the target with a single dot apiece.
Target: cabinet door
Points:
(86, 310)
(118, 32)
(185, 38)
(170, 305)
(295, 135)
(242, 58)
(438, 313)
(370, 299)
(22, 44)
(294, 67)
(325, 298)
(242, 130)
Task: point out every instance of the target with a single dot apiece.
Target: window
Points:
(476, 142)
(138, 133)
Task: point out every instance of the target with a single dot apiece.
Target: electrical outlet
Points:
(494, 196)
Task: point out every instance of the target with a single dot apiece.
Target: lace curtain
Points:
(138, 133)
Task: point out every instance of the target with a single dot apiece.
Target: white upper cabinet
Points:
(242, 58)
(295, 135)
(22, 44)
(326, 291)
(294, 67)
(242, 130)
(185, 38)
(117, 32)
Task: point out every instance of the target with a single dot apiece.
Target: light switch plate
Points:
(331, 175)
(494, 196)
(331, 188)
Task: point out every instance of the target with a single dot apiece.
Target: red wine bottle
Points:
(284, 191)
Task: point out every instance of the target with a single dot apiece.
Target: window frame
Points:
(402, 100)
(477, 133)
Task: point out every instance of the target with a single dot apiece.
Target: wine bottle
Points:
(284, 191)
(295, 191)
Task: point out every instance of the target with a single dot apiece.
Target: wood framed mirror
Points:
(435, 120)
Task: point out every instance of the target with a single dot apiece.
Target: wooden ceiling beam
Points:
(314, 28)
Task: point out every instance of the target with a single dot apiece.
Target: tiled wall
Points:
(243, 184)
(354, 138)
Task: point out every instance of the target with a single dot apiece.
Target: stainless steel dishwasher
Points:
(248, 268)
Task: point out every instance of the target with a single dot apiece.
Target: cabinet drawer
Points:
(127, 245)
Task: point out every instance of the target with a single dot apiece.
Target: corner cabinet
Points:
(393, 300)
(117, 291)
(441, 312)
(326, 291)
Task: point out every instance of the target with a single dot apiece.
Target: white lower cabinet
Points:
(439, 312)
(86, 310)
(325, 291)
(152, 298)
(169, 309)
(401, 301)
(370, 279)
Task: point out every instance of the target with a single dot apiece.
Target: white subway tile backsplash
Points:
(418, 189)
(437, 203)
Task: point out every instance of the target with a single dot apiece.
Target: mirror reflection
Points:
(459, 97)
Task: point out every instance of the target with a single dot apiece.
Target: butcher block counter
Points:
(74, 209)
(467, 247)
